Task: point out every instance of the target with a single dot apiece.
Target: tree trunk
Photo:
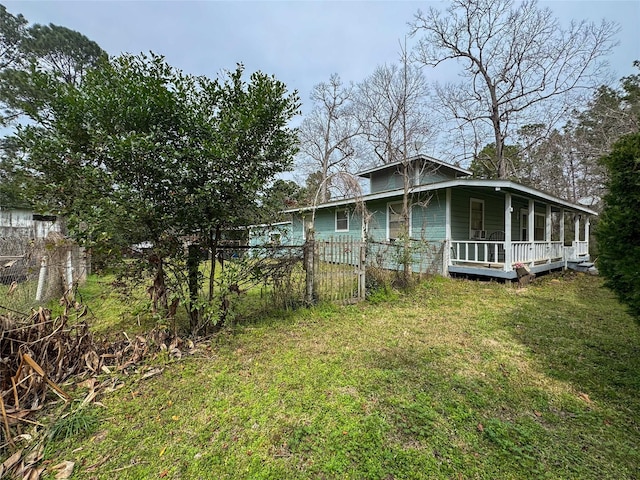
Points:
(214, 239)
(158, 291)
(495, 119)
(193, 263)
(406, 254)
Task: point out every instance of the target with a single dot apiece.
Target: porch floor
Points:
(496, 270)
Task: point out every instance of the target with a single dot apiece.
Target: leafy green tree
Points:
(241, 143)
(63, 53)
(33, 60)
(485, 163)
(618, 232)
(281, 195)
(140, 151)
(13, 181)
(12, 33)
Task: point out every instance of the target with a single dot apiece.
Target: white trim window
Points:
(524, 225)
(342, 220)
(395, 224)
(539, 226)
(476, 218)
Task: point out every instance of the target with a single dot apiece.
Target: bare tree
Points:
(566, 162)
(327, 133)
(520, 66)
(392, 106)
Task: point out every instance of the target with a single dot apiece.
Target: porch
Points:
(489, 258)
(536, 231)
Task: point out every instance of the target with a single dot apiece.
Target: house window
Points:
(524, 225)
(44, 218)
(539, 222)
(342, 221)
(395, 223)
(476, 218)
(539, 226)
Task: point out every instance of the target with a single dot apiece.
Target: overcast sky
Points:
(300, 42)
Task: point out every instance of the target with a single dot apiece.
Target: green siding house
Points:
(457, 224)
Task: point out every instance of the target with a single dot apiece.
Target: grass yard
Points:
(455, 380)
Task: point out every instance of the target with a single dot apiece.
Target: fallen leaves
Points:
(40, 354)
(583, 396)
(23, 466)
(152, 373)
(63, 470)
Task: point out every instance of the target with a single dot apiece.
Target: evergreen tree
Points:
(618, 232)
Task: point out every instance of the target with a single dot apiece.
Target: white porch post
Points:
(547, 226)
(576, 229)
(446, 257)
(587, 224)
(547, 232)
(564, 250)
(507, 232)
(531, 230)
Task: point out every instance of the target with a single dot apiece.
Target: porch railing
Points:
(582, 248)
(477, 251)
(526, 252)
(494, 252)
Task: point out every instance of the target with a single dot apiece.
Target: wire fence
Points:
(33, 272)
(248, 279)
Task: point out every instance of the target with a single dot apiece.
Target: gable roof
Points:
(496, 185)
(457, 171)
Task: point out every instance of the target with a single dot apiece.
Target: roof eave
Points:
(368, 172)
(496, 184)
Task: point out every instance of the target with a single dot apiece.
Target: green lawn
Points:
(455, 380)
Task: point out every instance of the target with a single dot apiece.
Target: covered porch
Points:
(539, 232)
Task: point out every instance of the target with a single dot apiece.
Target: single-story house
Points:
(457, 224)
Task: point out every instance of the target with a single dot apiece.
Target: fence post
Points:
(362, 271)
(309, 256)
(69, 271)
(42, 276)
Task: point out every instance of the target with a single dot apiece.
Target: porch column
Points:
(507, 232)
(587, 224)
(576, 228)
(446, 256)
(547, 232)
(531, 230)
(547, 226)
(563, 249)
